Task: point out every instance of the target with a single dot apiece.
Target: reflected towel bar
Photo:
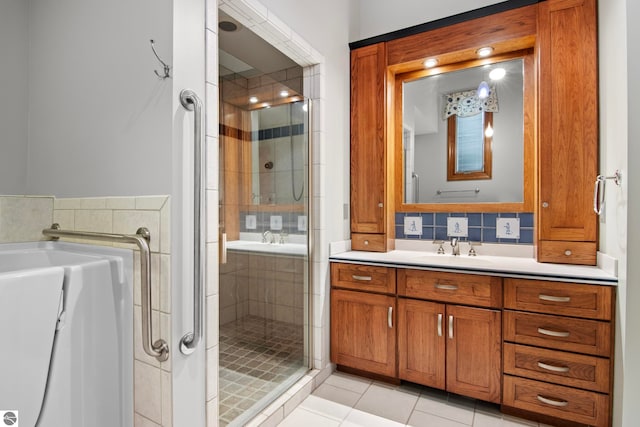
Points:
(160, 348)
(475, 190)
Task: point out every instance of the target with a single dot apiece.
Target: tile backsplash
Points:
(259, 222)
(481, 226)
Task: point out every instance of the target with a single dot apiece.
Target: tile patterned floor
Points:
(256, 356)
(350, 401)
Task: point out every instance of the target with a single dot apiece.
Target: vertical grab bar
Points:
(190, 340)
(160, 348)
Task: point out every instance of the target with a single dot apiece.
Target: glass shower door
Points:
(264, 282)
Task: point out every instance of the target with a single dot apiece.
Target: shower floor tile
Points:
(256, 355)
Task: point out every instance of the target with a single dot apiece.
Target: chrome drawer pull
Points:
(451, 327)
(439, 324)
(362, 278)
(559, 334)
(553, 368)
(446, 287)
(552, 402)
(551, 298)
(390, 317)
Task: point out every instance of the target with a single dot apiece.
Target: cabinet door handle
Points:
(450, 327)
(559, 334)
(553, 368)
(439, 324)
(361, 278)
(552, 298)
(552, 402)
(390, 317)
(446, 287)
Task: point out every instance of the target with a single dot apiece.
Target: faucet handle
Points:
(441, 248)
(472, 251)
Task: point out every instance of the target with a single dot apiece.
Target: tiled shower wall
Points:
(267, 286)
(23, 217)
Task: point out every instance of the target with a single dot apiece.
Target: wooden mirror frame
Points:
(512, 34)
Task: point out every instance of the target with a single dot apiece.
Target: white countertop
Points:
(506, 266)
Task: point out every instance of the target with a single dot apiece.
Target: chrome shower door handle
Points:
(190, 341)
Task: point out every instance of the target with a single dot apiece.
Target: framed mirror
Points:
(458, 151)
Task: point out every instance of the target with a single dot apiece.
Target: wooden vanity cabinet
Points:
(558, 350)
(363, 309)
(568, 131)
(449, 345)
(371, 207)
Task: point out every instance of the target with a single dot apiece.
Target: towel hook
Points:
(167, 68)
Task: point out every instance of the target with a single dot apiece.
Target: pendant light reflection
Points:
(483, 90)
(488, 132)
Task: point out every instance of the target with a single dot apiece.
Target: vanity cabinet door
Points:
(368, 150)
(450, 347)
(474, 352)
(568, 131)
(363, 334)
(421, 342)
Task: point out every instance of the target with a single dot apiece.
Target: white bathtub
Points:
(66, 334)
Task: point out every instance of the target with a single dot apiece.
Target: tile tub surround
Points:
(347, 400)
(123, 215)
(482, 226)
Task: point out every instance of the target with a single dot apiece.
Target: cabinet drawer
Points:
(580, 253)
(562, 333)
(370, 242)
(590, 301)
(558, 401)
(574, 370)
(458, 288)
(364, 278)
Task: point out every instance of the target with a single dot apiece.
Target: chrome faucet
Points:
(455, 246)
(267, 237)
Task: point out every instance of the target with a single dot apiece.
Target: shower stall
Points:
(263, 222)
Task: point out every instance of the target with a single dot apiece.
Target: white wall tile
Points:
(127, 222)
(150, 202)
(167, 404)
(212, 372)
(120, 203)
(148, 391)
(93, 220)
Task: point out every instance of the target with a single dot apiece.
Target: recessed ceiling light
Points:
(266, 105)
(253, 99)
(484, 51)
(497, 73)
(284, 93)
(431, 62)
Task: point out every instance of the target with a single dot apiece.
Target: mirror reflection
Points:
(436, 110)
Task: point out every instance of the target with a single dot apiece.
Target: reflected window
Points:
(469, 146)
